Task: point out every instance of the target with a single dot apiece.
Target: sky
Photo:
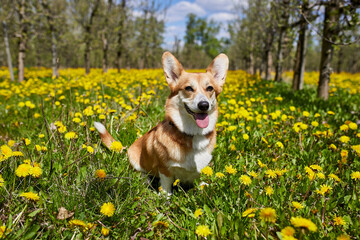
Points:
(221, 11)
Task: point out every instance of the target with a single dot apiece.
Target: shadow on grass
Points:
(345, 106)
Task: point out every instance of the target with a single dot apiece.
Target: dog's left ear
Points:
(218, 68)
(172, 69)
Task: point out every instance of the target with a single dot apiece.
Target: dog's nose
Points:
(203, 105)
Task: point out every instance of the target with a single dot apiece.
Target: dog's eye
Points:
(190, 89)
(209, 88)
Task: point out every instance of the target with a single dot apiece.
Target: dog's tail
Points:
(106, 138)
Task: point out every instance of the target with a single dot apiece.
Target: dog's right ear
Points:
(172, 69)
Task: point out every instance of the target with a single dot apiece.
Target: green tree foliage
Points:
(200, 40)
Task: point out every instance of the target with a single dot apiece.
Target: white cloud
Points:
(222, 17)
(180, 10)
(221, 5)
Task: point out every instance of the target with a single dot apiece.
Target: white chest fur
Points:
(189, 168)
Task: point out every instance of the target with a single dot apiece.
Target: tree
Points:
(85, 12)
(7, 49)
(283, 26)
(200, 41)
(22, 10)
(331, 35)
(50, 12)
(120, 37)
(299, 66)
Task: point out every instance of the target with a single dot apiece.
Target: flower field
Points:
(286, 165)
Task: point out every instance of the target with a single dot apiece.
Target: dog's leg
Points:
(166, 183)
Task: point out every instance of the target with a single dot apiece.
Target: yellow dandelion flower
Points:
(269, 191)
(70, 135)
(107, 209)
(297, 205)
(18, 154)
(23, 170)
(333, 147)
(314, 123)
(334, 177)
(176, 182)
(344, 127)
(1, 181)
(230, 170)
(355, 175)
(203, 231)
(287, 232)
(339, 221)
(207, 171)
(105, 231)
(316, 167)
(76, 120)
(62, 129)
(27, 141)
(279, 144)
(330, 113)
(261, 164)
(116, 146)
(353, 126)
(343, 237)
(292, 108)
(271, 173)
(246, 180)
(344, 139)
(11, 143)
(249, 212)
(303, 223)
(30, 196)
(90, 149)
(78, 223)
(198, 212)
(306, 114)
(253, 174)
(6, 151)
(35, 171)
(324, 189)
(4, 231)
(161, 224)
(219, 175)
(320, 175)
(356, 148)
(245, 136)
(268, 215)
(100, 173)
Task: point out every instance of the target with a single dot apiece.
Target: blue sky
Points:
(219, 10)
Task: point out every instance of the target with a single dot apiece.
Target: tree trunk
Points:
(50, 21)
(7, 49)
(105, 38)
(87, 52)
(88, 38)
(267, 54)
(340, 59)
(332, 16)
(22, 40)
(120, 35)
(299, 68)
(282, 33)
(55, 67)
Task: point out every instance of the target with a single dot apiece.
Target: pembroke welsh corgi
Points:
(181, 145)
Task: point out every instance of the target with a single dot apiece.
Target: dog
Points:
(180, 146)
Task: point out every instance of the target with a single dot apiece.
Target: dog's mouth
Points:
(201, 119)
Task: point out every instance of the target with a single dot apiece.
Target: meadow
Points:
(286, 165)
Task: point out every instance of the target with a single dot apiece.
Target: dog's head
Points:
(196, 92)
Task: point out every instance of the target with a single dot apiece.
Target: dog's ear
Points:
(218, 68)
(172, 69)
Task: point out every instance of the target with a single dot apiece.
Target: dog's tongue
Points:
(202, 119)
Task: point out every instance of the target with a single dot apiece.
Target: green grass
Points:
(68, 179)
